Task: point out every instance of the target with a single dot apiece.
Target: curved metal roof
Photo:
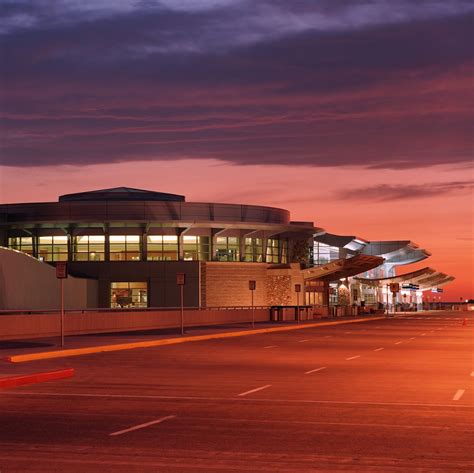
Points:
(426, 278)
(397, 252)
(343, 268)
(121, 194)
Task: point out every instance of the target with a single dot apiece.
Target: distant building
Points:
(134, 242)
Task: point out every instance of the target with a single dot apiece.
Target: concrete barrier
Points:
(17, 327)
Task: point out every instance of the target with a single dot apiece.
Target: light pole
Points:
(61, 274)
(252, 287)
(181, 281)
(298, 290)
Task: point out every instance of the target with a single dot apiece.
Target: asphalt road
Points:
(395, 395)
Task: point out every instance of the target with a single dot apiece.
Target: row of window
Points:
(159, 248)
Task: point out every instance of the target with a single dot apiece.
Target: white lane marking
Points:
(255, 390)
(317, 369)
(398, 343)
(270, 346)
(352, 357)
(141, 426)
(423, 334)
(347, 333)
(327, 336)
(379, 349)
(302, 341)
(458, 394)
(229, 399)
(472, 374)
(412, 338)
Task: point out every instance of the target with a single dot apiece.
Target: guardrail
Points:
(121, 310)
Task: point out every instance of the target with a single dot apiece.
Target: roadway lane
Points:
(323, 399)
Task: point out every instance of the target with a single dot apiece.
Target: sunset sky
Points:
(354, 114)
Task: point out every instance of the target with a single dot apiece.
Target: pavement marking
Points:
(229, 399)
(458, 394)
(347, 333)
(327, 336)
(141, 426)
(302, 341)
(423, 334)
(398, 343)
(412, 338)
(174, 341)
(270, 346)
(472, 373)
(316, 369)
(261, 388)
(379, 349)
(352, 357)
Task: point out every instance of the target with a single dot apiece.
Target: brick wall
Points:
(227, 284)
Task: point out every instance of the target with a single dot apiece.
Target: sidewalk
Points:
(85, 344)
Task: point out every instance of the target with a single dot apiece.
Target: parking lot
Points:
(391, 395)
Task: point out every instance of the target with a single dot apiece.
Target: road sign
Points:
(394, 287)
(180, 279)
(297, 287)
(61, 270)
(252, 285)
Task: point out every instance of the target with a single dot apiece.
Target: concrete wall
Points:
(159, 275)
(17, 327)
(26, 283)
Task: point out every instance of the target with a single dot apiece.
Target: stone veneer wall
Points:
(227, 284)
(279, 289)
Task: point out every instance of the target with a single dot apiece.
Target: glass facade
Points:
(53, 248)
(323, 253)
(253, 250)
(88, 248)
(128, 295)
(158, 248)
(195, 248)
(227, 249)
(162, 248)
(125, 247)
(24, 244)
(273, 249)
(284, 251)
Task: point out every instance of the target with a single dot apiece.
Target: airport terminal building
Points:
(128, 245)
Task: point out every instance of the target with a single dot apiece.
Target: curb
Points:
(171, 341)
(15, 381)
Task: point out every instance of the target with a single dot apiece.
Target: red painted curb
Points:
(14, 381)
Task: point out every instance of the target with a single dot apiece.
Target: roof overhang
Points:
(343, 268)
(426, 278)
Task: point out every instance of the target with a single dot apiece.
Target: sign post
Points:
(181, 281)
(252, 287)
(61, 274)
(298, 290)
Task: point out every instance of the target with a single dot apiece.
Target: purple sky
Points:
(370, 102)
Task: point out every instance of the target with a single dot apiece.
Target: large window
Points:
(162, 247)
(125, 247)
(253, 250)
(24, 244)
(52, 248)
(227, 249)
(128, 294)
(89, 248)
(272, 251)
(195, 248)
(325, 253)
